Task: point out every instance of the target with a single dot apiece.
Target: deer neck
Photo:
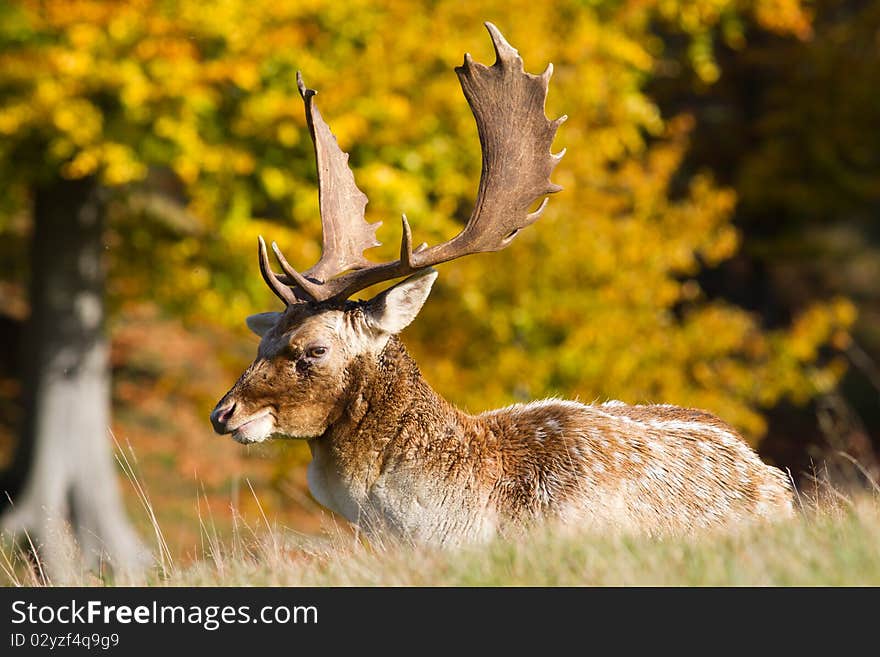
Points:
(388, 394)
(390, 419)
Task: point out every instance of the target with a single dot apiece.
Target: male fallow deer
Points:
(388, 452)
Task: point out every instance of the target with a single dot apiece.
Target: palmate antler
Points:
(515, 136)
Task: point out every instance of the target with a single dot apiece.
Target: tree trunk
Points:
(64, 464)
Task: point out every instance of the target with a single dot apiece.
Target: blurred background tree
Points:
(176, 129)
(791, 125)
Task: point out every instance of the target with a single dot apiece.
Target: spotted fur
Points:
(391, 455)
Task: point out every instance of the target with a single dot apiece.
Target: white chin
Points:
(254, 431)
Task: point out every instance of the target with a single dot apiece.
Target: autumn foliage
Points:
(189, 114)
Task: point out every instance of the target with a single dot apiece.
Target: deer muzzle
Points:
(245, 428)
(222, 414)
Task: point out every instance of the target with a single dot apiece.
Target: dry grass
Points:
(832, 547)
(834, 541)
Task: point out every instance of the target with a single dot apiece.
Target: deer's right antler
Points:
(515, 137)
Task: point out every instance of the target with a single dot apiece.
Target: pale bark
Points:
(66, 478)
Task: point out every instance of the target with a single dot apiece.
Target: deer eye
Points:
(316, 352)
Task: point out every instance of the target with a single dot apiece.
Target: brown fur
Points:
(392, 455)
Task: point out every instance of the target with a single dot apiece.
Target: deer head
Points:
(300, 381)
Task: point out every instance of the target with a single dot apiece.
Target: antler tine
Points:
(515, 138)
(279, 288)
(406, 250)
(312, 290)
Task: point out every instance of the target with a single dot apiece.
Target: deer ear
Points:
(392, 311)
(262, 322)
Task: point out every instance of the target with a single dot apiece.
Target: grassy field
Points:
(827, 545)
(217, 513)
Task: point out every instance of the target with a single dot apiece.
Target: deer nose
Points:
(221, 415)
